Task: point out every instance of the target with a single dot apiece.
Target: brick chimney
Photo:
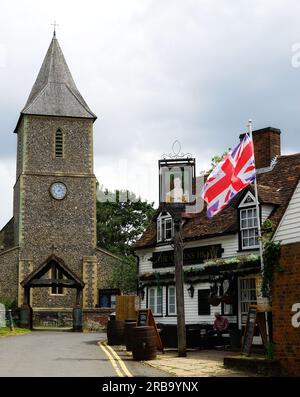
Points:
(266, 145)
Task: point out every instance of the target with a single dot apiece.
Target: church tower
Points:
(54, 224)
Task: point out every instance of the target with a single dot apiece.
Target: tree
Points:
(121, 220)
(216, 160)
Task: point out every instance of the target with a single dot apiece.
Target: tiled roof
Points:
(274, 187)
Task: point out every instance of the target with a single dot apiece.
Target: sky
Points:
(156, 71)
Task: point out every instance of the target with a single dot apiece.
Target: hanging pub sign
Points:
(176, 179)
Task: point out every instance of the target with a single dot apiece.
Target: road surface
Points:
(65, 354)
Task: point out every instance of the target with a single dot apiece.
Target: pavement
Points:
(65, 354)
(198, 363)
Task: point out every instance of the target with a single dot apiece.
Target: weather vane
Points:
(54, 31)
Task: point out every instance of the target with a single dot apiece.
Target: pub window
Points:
(156, 300)
(203, 304)
(165, 228)
(171, 305)
(248, 228)
(107, 297)
(247, 289)
(59, 144)
(57, 274)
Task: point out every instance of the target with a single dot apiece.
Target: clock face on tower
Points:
(58, 190)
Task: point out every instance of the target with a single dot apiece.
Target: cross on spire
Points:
(54, 30)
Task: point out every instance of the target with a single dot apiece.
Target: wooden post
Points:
(26, 296)
(78, 296)
(178, 258)
(11, 323)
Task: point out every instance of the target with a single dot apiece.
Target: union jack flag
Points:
(230, 176)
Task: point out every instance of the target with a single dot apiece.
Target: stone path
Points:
(200, 363)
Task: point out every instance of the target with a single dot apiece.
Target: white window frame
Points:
(247, 296)
(172, 312)
(161, 224)
(158, 295)
(251, 225)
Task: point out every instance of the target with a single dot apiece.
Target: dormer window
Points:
(248, 223)
(165, 228)
(248, 227)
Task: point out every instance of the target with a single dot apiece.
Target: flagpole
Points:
(257, 206)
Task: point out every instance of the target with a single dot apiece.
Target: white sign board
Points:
(2, 316)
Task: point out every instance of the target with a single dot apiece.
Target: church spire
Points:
(54, 92)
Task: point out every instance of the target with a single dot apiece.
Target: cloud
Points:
(156, 71)
(7, 175)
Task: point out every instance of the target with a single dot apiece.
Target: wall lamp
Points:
(191, 291)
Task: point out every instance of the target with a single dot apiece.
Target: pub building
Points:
(221, 261)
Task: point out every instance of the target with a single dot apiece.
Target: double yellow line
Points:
(116, 361)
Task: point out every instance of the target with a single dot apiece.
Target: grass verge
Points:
(17, 331)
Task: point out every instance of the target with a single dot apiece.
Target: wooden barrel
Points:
(115, 332)
(144, 342)
(129, 324)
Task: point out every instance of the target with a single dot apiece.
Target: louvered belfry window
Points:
(59, 144)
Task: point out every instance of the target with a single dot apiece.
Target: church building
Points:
(49, 259)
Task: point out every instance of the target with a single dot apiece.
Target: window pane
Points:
(171, 300)
(245, 242)
(113, 301)
(168, 228)
(159, 301)
(152, 299)
(162, 229)
(168, 234)
(104, 301)
(247, 296)
(203, 305)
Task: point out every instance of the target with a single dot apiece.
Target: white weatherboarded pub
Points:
(222, 268)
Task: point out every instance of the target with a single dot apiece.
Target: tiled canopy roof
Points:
(274, 187)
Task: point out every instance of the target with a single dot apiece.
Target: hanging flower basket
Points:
(214, 300)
